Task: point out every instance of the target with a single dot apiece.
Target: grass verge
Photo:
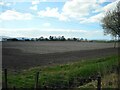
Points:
(62, 76)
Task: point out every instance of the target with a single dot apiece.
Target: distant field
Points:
(23, 55)
(43, 47)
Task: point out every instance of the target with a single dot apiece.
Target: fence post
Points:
(99, 83)
(14, 88)
(36, 80)
(5, 73)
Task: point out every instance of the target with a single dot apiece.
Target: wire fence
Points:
(70, 84)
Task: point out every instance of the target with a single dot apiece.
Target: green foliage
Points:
(61, 75)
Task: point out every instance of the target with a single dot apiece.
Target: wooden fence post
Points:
(99, 83)
(36, 80)
(5, 73)
(14, 88)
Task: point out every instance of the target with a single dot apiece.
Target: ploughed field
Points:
(23, 55)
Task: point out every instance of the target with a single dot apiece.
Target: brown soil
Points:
(15, 59)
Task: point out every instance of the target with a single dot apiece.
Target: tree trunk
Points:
(118, 63)
(115, 42)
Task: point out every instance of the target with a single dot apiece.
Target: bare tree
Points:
(111, 22)
(111, 25)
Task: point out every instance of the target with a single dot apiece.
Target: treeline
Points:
(59, 38)
(51, 38)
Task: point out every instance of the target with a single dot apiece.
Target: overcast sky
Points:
(69, 18)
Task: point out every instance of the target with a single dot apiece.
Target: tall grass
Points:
(63, 75)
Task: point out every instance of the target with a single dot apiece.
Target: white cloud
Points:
(14, 15)
(1, 3)
(79, 10)
(76, 9)
(52, 12)
(73, 9)
(46, 24)
(36, 32)
(96, 18)
(8, 4)
(5, 4)
(110, 6)
(34, 7)
(62, 17)
(16, 30)
(44, 0)
(92, 19)
(102, 11)
(49, 12)
(102, 1)
(34, 2)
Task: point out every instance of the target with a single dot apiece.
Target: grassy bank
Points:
(63, 75)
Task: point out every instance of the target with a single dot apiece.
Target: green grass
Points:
(60, 75)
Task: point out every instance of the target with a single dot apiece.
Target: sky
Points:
(69, 18)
